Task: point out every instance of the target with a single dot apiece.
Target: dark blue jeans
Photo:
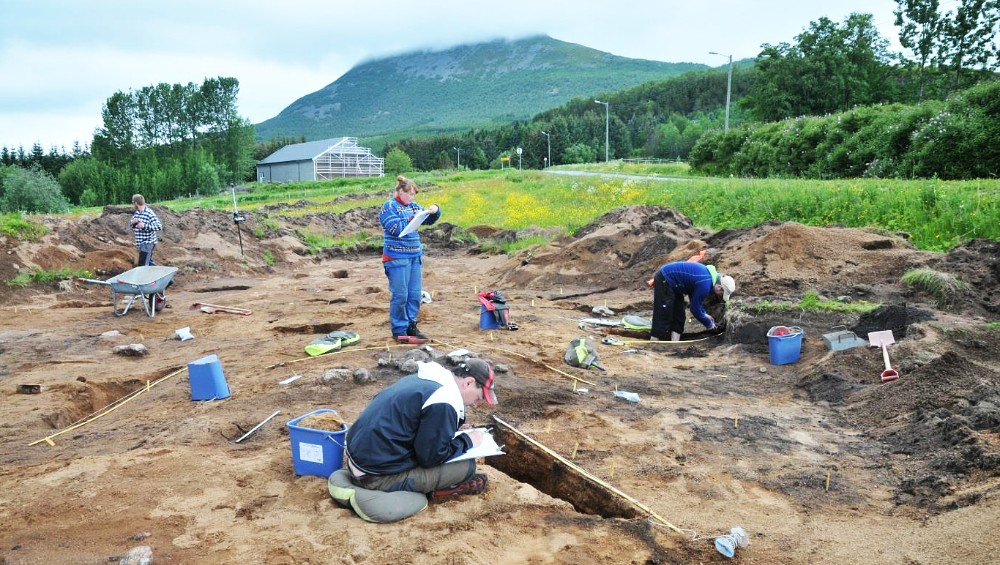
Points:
(404, 287)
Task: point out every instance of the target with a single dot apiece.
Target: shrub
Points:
(33, 191)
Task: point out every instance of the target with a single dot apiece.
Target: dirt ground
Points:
(817, 460)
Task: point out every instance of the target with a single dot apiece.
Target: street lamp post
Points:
(548, 140)
(729, 85)
(607, 120)
(458, 157)
(518, 158)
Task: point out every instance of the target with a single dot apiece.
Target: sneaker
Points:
(412, 331)
(474, 485)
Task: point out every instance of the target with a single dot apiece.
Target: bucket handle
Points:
(342, 445)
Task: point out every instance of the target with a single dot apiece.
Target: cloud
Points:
(62, 60)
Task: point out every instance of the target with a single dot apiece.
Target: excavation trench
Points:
(531, 463)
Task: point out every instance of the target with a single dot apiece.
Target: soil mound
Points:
(622, 247)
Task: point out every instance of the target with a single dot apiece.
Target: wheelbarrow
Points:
(147, 284)
(884, 339)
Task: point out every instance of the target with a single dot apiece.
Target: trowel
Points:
(884, 339)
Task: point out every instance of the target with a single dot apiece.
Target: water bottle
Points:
(727, 544)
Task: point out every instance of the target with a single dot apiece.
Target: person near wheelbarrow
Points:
(671, 283)
(403, 258)
(144, 225)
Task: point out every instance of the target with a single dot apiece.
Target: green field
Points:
(936, 214)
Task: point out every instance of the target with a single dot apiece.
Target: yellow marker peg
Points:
(491, 336)
(560, 290)
(574, 385)
(475, 289)
(148, 386)
(49, 441)
(612, 468)
(548, 426)
(575, 447)
(828, 481)
(736, 422)
(532, 304)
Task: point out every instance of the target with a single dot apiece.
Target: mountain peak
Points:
(461, 87)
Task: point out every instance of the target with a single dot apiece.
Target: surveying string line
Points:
(106, 410)
(525, 357)
(385, 346)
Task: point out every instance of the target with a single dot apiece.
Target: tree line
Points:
(164, 141)
(831, 67)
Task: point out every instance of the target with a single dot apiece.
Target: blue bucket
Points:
(316, 452)
(487, 321)
(785, 349)
(207, 380)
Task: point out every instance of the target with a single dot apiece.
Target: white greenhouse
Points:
(320, 160)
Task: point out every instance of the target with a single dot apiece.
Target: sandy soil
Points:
(817, 460)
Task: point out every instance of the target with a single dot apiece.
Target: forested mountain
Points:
(464, 87)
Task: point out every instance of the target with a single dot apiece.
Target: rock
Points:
(602, 311)
(131, 350)
(338, 374)
(362, 376)
(139, 555)
(110, 334)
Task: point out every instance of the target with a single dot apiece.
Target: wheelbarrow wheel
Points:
(157, 301)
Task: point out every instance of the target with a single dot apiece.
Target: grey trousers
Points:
(420, 479)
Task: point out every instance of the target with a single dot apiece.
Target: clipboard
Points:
(418, 219)
(488, 448)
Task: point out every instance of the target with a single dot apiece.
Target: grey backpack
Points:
(582, 352)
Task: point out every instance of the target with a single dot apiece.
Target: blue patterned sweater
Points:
(394, 216)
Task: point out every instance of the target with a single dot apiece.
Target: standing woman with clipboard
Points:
(402, 257)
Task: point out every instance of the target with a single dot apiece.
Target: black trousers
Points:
(668, 309)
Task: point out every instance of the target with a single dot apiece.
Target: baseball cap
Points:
(483, 373)
(728, 286)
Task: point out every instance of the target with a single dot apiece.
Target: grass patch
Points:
(268, 258)
(812, 302)
(942, 287)
(16, 226)
(361, 241)
(993, 325)
(23, 280)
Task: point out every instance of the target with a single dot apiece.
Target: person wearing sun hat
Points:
(671, 283)
(405, 436)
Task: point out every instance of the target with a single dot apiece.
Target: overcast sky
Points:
(61, 60)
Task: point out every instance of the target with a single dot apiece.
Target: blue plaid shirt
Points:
(150, 225)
